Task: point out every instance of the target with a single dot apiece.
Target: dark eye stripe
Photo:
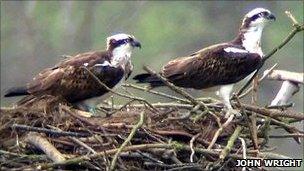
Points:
(256, 16)
(120, 42)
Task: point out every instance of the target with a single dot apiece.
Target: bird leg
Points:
(224, 92)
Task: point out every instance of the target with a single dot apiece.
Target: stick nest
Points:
(172, 136)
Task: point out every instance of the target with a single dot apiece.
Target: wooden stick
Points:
(266, 73)
(283, 75)
(41, 143)
(156, 93)
(230, 142)
(117, 93)
(176, 89)
(220, 130)
(49, 131)
(132, 133)
(287, 90)
(273, 113)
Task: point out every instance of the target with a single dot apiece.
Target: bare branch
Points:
(132, 133)
(230, 142)
(287, 90)
(283, 75)
(49, 131)
(41, 143)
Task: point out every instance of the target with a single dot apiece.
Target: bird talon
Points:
(232, 112)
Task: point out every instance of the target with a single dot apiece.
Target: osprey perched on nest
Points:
(69, 80)
(220, 65)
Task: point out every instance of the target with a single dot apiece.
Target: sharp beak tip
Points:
(137, 44)
(272, 17)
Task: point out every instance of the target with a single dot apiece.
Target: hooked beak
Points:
(136, 43)
(271, 17)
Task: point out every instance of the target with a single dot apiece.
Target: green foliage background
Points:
(35, 34)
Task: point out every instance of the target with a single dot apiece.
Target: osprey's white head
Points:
(257, 17)
(123, 41)
(252, 28)
(121, 46)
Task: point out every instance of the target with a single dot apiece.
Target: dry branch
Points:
(176, 89)
(287, 90)
(230, 143)
(283, 75)
(132, 133)
(220, 130)
(41, 143)
(273, 113)
(48, 131)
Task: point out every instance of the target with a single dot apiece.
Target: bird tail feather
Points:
(16, 91)
(148, 78)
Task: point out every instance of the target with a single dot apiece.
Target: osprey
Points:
(221, 65)
(69, 80)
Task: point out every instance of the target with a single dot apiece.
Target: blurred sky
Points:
(35, 34)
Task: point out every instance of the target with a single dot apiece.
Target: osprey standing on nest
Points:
(220, 65)
(69, 80)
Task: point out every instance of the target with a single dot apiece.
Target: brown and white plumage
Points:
(221, 64)
(69, 80)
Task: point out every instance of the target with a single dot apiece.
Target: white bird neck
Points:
(121, 55)
(252, 39)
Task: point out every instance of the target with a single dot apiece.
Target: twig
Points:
(266, 73)
(294, 21)
(243, 147)
(120, 108)
(39, 142)
(230, 143)
(284, 125)
(77, 141)
(159, 105)
(49, 131)
(282, 107)
(132, 133)
(147, 147)
(81, 159)
(187, 115)
(156, 93)
(273, 113)
(287, 136)
(243, 150)
(30, 157)
(220, 130)
(82, 144)
(117, 93)
(212, 152)
(176, 89)
(252, 128)
(191, 146)
(297, 28)
(287, 90)
(282, 75)
(181, 133)
(174, 166)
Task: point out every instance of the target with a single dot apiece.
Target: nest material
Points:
(168, 138)
(102, 134)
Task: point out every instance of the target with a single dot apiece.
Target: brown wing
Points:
(68, 79)
(77, 84)
(91, 58)
(211, 66)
